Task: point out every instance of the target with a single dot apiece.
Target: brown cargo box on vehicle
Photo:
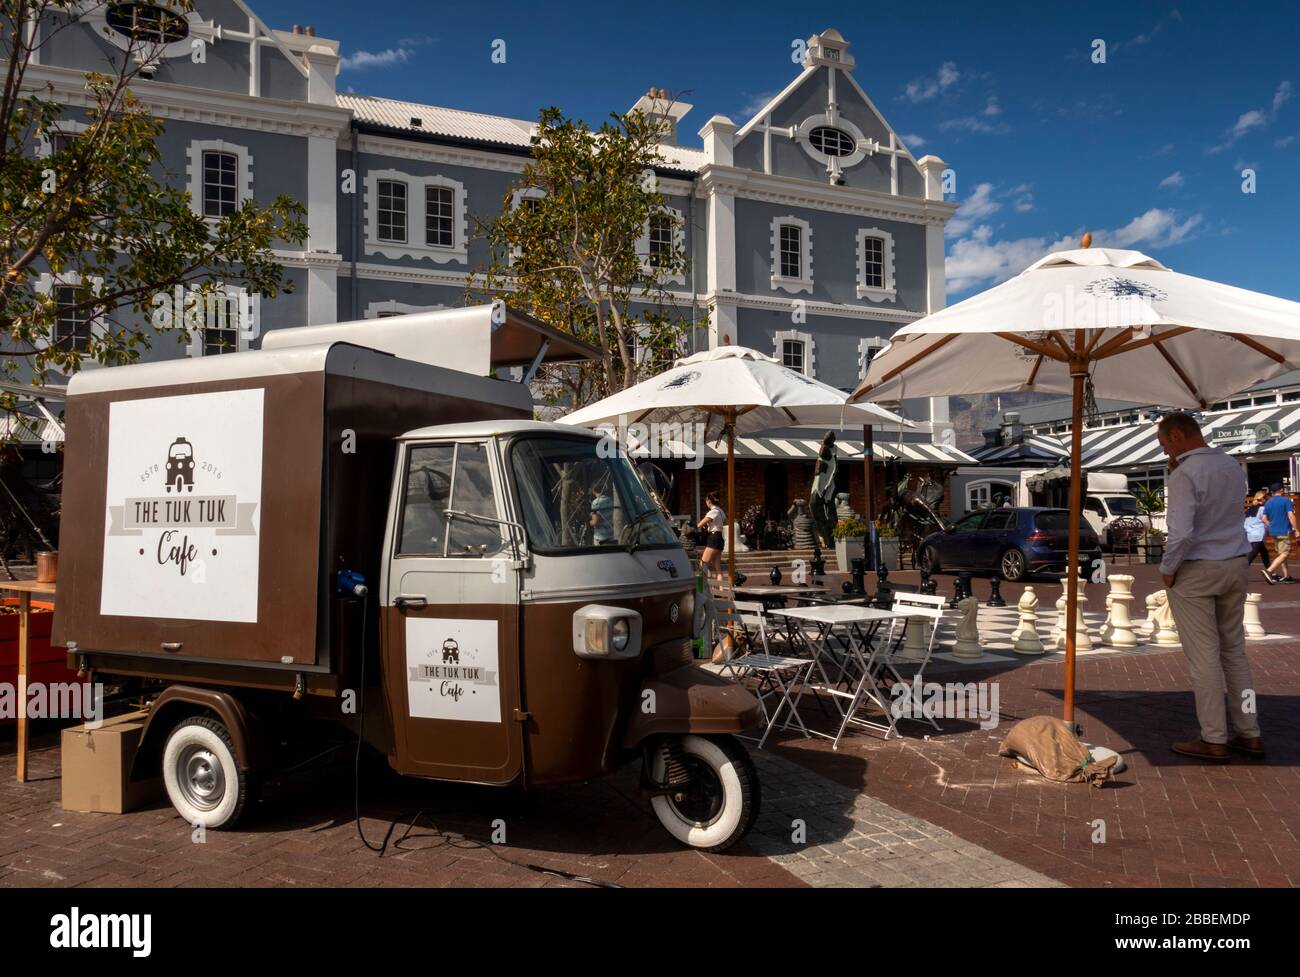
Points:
(208, 503)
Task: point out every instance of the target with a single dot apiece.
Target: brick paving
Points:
(910, 812)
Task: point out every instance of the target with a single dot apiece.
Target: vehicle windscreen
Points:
(1122, 505)
(574, 499)
(1058, 521)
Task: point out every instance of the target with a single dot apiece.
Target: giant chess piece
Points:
(1254, 626)
(1056, 637)
(1167, 634)
(1082, 639)
(1025, 638)
(925, 579)
(802, 524)
(1120, 622)
(968, 644)
(1148, 628)
(884, 591)
(916, 639)
(929, 585)
(1103, 636)
(967, 584)
(956, 594)
(995, 592)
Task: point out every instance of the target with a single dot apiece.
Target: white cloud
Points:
(979, 260)
(1024, 203)
(974, 208)
(1286, 141)
(993, 108)
(1281, 96)
(1254, 119)
(1173, 180)
(365, 60)
(912, 141)
(924, 89)
(755, 105)
(971, 123)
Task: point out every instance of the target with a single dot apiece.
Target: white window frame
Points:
(809, 349)
(45, 149)
(194, 171)
(516, 200)
(45, 285)
(243, 337)
(889, 293)
(876, 343)
(376, 310)
(987, 485)
(860, 141)
(415, 246)
(96, 16)
(679, 244)
(804, 283)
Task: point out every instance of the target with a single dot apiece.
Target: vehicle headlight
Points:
(606, 632)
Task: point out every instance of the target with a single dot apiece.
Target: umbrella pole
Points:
(731, 497)
(1078, 373)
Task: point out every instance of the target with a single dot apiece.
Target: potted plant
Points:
(1151, 549)
(1149, 501)
(888, 537)
(848, 542)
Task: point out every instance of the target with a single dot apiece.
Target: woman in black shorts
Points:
(714, 521)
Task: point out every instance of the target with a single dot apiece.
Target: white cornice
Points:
(203, 105)
(781, 303)
(307, 259)
(804, 193)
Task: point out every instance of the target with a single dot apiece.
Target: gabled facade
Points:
(812, 232)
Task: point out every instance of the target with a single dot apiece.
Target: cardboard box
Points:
(96, 766)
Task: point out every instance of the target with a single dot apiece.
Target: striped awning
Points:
(805, 449)
(1134, 445)
(1035, 447)
(29, 429)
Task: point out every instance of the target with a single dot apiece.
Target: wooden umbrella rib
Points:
(1114, 343)
(1148, 341)
(1273, 355)
(916, 359)
(1191, 388)
(1033, 374)
(1042, 349)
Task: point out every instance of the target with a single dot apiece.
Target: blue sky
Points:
(1146, 150)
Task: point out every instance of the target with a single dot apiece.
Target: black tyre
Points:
(202, 775)
(928, 560)
(720, 805)
(1012, 565)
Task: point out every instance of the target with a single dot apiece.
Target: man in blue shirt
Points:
(1204, 570)
(1280, 515)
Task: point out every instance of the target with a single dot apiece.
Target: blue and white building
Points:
(812, 231)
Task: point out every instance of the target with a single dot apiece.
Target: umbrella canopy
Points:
(1096, 323)
(731, 389)
(716, 383)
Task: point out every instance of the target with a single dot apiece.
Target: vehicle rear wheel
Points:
(717, 807)
(928, 560)
(202, 776)
(1013, 565)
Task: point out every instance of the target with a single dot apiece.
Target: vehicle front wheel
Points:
(202, 776)
(928, 560)
(1013, 565)
(716, 808)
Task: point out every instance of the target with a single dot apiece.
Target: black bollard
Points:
(775, 576)
(956, 594)
(995, 594)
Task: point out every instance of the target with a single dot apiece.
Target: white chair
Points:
(923, 609)
(778, 675)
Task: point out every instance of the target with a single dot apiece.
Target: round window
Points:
(147, 22)
(830, 141)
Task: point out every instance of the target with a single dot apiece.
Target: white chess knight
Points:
(1148, 627)
(1251, 620)
(1119, 624)
(1025, 640)
(968, 634)
(1164, 631)
(1103, 635)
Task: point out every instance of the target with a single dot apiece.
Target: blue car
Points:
(1013, 542)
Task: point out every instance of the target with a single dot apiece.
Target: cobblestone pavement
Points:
(850, 839)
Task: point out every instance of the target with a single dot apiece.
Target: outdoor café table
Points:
(775, 596)
(24, 589)
(853, 627)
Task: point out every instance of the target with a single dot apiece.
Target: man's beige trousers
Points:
(1208, 599)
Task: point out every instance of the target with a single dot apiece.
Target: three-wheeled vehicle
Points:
(489, 599)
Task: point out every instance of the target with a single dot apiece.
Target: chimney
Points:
(1013, 432)
(658, 103)
(311, 31)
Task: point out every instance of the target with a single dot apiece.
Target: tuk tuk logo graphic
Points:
(178, 512)
(452, 669)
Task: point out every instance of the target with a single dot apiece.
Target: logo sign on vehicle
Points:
(452, 669)
(1262, 432)
(181, 524)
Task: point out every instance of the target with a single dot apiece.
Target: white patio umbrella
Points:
(733, 389)
(1095, 322)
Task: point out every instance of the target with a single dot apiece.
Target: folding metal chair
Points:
(778, 675)
(922, 609)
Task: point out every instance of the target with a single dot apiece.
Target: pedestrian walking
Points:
(1280, 514)
(1204, 570)
(713, 523)
(1256, 526)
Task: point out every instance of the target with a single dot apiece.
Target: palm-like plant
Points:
(1149, 501)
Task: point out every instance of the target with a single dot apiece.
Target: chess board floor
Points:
(997, 624)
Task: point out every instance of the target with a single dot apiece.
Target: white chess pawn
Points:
(916, 637)
(1025, 640)
(1082, 639)
(1254, 626)
(967, 644)
(1121, 623)
(1056, 637)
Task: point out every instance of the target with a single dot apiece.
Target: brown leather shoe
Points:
(1251, 746)
(1201, 750)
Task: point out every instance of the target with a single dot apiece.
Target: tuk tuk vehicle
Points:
(378, 540)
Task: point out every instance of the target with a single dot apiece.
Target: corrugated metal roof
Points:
(27, 429)
(1035, 447)
(475, 126)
